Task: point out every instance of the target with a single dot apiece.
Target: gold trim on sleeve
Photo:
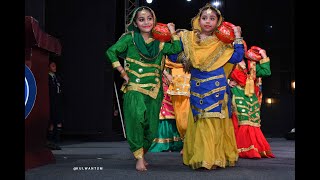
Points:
(175, 37)
(264, 60)
(116, 64)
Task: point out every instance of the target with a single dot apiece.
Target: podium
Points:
(38, 46)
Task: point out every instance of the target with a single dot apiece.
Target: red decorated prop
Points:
(161, 32)
(225, 32)
(253, 53)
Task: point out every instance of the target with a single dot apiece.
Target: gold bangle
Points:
(123, 74)
(121, 71)
(238, 40)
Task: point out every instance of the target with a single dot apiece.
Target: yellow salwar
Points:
(181, 106)
(210, 142)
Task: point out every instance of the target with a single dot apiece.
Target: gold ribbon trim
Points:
(138, 154)
(249, 88)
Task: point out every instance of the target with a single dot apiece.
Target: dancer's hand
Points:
(168, 78)
(242, 64)
(172, 28)
(126, 78)
(237, 31)
(232, 83)
(263, 53)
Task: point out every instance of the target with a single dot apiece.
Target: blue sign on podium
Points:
(30, 91)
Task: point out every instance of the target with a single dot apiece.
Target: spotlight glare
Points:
(293, 84)
(216, 4)
(269, 100)
(149, 1)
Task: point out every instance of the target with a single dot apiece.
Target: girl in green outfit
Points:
(143, 66)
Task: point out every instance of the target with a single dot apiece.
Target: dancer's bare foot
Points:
(181, 152)
(214, 167)
(140, 165)
(145, 162)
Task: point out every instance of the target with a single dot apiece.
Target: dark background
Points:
(87, 28)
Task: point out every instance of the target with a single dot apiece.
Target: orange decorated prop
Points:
(225, 32)
(161, 32)
(253, 53)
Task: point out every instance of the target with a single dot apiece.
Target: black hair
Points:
(213, 9)
(140, 9)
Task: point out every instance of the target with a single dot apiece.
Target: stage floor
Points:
(113, 160)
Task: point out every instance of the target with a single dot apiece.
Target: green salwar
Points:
(141, 114)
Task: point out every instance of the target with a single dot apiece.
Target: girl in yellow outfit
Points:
(179, 91)
(210, 140)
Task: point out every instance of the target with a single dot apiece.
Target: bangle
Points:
(238, 40)
(123, 74)
(121, 71)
